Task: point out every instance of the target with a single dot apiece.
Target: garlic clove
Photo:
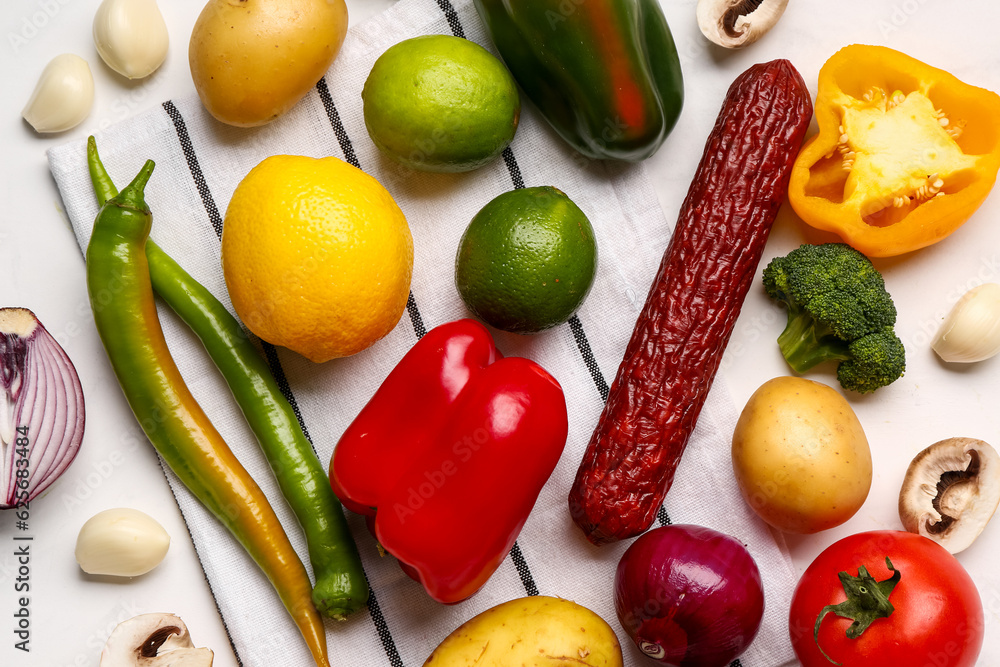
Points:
(971, 331)
(42, 415)
(131, 36)
(738, 23)
(121, 542)
(63, 95)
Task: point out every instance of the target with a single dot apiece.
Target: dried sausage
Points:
(692, 306)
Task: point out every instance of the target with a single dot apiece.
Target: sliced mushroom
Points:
(737, 23)
(951, 491)
(153, 640)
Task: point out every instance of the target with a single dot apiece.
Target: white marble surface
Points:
(41, 268)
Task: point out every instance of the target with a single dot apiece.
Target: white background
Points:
(41, 268)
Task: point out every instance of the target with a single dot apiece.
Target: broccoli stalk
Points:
(838, 310)
(806, 343)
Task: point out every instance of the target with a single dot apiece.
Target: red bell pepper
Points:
(449, 456)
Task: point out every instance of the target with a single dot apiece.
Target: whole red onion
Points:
(689, 596)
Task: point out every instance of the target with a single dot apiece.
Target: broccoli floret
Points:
(838, 310)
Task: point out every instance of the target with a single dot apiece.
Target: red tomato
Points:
(937, 619)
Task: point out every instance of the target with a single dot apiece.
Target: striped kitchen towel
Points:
(199, 163)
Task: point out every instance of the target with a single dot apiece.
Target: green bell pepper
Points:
(604, 73)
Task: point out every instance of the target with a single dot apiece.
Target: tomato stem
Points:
(867, 600)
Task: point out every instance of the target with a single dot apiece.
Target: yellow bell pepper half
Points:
(905, 152)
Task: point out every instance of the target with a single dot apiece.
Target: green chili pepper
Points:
(341, 586)
(121, 297)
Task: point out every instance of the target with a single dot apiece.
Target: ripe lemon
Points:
(527, 260)
(440, 103)
(316, 255)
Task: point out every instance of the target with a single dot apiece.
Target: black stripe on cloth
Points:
(736, 663)
(382, 627)
(374, 610)
(347, 148)
(452, 16)
(515, 171)
(663, 517)
(588, 357)
(197, 554)
(522, 569)
(192, 160)
(415, 318)
(516, 555)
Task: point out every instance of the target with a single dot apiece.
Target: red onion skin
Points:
(689, 596)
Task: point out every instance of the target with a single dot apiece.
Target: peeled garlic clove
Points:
(41, 408)
(121, 542)
(971, 332)
(63, 95)
(131, 36)
(737, 23)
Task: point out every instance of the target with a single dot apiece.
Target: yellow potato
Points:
(252, 60)
(800, 456)
(535, 631)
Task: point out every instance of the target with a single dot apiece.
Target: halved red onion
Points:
(41, 408)
(689, 596)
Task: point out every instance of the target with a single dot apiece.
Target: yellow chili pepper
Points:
(905, 152)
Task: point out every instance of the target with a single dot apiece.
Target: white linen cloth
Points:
(199, 163)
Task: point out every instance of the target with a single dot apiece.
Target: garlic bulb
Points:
(121, 542)
(63, 95)
(971, 332)
(131, 36)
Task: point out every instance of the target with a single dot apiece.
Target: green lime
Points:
(527, 260)
(440, 103)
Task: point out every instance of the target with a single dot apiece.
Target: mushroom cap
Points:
(738, 23)
(950, 492)
(154, 639)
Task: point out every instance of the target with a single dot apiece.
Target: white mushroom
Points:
(951, 491)
(737, 23)
(153, 640)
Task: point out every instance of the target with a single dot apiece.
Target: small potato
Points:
(535, 631)
(800, 456)
(252, 60)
